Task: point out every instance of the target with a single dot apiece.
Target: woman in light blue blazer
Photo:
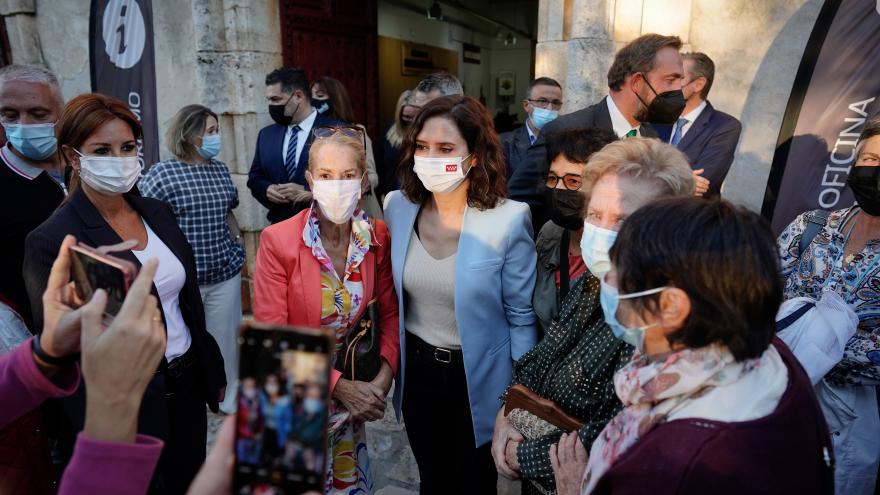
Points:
(463, 261)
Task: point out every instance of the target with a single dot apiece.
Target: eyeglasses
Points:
(572, 182)
(545, 103)
(346, 130)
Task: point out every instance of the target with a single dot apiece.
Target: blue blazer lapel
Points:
(400, 239)
(697, 127)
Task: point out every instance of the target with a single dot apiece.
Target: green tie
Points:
(632, 133)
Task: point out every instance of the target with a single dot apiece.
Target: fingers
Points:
(699, 171)
(93, 316)
(554, 458)
(515, 436)
(137, 297)
(580, 452)
(377, 391)
(59, 276)
(499, 455)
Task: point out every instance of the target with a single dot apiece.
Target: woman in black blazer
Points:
(97, 139)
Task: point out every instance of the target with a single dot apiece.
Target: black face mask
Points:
(277, 113)
(567, 208)
(322, 106)
(865, 184)
(666, 107)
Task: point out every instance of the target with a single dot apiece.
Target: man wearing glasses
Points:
(542, 103)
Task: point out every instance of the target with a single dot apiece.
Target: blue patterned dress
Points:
(857, 282)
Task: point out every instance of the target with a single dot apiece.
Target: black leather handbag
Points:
(359, 358)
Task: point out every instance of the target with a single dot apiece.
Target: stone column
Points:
(238, 42)
(21, 27)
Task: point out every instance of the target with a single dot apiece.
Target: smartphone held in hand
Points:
(283, 403)
(91, 270)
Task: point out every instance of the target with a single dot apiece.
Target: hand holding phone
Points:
(92, 269)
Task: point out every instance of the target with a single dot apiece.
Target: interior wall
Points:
(392, 82)
(479, 80)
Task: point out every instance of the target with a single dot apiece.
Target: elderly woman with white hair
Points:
(326, 267)
(574, 364)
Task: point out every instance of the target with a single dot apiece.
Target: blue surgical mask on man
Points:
(541, 116)
(210, 146)
(609, 299)
(34, 141)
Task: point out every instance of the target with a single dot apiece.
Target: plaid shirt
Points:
(201, 196)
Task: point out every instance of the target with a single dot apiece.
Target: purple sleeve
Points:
(23, 386)
(99, 467)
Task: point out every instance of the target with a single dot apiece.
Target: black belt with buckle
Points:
(180, 364)
(430, 353)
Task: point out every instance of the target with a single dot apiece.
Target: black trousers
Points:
(438, 424)
(184, 450)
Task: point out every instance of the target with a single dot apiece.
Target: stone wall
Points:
(213, 52)
(756, 45)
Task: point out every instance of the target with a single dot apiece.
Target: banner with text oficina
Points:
(835, 90)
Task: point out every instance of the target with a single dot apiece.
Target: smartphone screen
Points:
(281, 423)
(90, 273)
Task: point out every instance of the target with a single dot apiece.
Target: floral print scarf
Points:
(654, 391)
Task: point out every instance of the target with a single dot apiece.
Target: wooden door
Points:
(336, 38)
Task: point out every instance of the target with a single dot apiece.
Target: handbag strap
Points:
(816, 221)
(794, 316)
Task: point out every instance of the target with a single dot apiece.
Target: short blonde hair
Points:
(643, 159)
(340, 139)
(187, 124)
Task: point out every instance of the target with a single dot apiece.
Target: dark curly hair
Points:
(723, 256)
(488, 183)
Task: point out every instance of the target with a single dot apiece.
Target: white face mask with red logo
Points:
(440, 175)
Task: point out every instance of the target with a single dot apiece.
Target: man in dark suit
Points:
(542, 103)
(644, 83)
(277, 176)
(707, 136)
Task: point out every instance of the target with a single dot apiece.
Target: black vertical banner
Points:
(123, 63)
(835, 90)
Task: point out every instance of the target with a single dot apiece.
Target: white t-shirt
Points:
(169, 280)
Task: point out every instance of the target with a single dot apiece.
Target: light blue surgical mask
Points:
(210, 146)
(34, 141)
(541, 116)
(596, 242)
(609, 299)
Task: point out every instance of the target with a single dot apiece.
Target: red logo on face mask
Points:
(452, 168)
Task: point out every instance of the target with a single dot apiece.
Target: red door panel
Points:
(336, 38)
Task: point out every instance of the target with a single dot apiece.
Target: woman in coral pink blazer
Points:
(318, 269)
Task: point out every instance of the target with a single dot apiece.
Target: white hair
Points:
(29, 73)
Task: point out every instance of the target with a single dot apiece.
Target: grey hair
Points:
(644, 159)
(29, 73)
(445, 83)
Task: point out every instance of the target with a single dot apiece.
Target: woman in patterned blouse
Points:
(844, 257)
(574, 364)
(200, 191)
(319, 269)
